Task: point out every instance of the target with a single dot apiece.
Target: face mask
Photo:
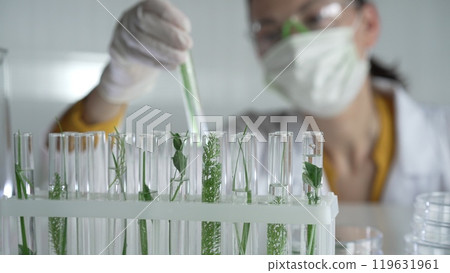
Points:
(327, 75)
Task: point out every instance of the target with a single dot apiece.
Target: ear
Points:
(370, 26)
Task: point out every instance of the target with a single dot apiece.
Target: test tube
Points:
(121, 178)
(312, 150)
(213, 186)
(57, 191)
(243, 156)
(176, 165)
(91, 182)
(280, 179)
(147, 145)
(24, 170)
(280, 165)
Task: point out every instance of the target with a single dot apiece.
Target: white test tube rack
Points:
(297, 211)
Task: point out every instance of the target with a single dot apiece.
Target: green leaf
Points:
(312, 175)
(177, 142)
(306, 179)
(23, 250)
(145, 194)
(179, 161)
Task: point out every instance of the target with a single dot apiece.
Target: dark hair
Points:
(377, 68)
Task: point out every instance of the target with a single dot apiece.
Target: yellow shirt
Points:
(383, 151)
(72, 121)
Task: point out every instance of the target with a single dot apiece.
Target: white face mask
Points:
(327, 75)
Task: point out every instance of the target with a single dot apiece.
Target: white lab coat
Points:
(421, 161)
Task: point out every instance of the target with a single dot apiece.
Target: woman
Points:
(380, 145)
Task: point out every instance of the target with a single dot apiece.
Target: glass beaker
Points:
(355, 240)
(6, 183)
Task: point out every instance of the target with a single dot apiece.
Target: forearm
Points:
(92, 113)
(98, 110)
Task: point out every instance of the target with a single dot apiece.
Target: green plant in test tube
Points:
(280, 150)
(179, 161)
(312, 179)
(211, 183)
(120, 172)
(24, 179)
(58, 190)
(147, 189)
(144, 195)
(242, 240)
(58, 225)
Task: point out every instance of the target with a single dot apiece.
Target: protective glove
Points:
(151, 36)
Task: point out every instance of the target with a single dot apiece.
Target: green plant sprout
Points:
(179, 161)
(21, 184)
(242, 242)
(144, 195)
(120, 169)
(312, 176)
(58, 225)
(276, 234)
(211, 182)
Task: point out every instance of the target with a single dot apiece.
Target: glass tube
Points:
(280, 178)
(243, 156)
(147, 188)
(120, 165)
(6, 168)
(24, 171)
(280, 164)
(194, 192)
(57, 191)
(97, 187)
(213, 186)
(176, 164)
(312, 151)
(90, 173)
(72, 169)
(82, 173)
(120, 185)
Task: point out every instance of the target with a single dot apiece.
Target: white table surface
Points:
(392, 220)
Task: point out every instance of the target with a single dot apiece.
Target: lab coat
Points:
(421, 161)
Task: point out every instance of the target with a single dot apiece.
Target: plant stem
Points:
(144, 195)
(311, 234)
(124, 248)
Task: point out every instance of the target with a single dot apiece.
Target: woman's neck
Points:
(353, 133)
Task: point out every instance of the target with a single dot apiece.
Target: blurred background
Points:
(57, 50)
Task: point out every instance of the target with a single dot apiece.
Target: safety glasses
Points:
(311, 16)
